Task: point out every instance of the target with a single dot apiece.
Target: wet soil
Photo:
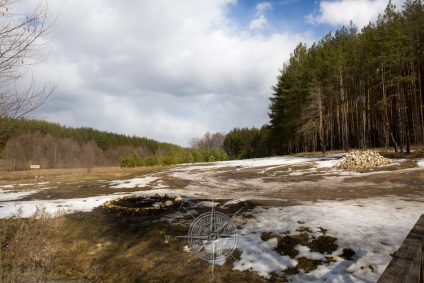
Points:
(106, 247)
(251, 183)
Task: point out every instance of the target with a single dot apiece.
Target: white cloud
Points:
(341, 12)
(167, 70)
(258, 23)
(262, 7)
(260, 20)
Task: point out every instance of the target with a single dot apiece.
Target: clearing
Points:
(308, 221)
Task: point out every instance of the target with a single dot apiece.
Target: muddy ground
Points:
(101, 246)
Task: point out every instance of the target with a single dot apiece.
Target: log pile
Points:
(362, 160)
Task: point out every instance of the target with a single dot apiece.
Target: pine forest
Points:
(354, 89)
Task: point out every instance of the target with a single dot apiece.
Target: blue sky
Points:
(280, 15)
(172, 70)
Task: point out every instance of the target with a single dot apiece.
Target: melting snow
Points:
(132, 183)
(248, 163)
(326, 163)
(374, 227)
(15, 195)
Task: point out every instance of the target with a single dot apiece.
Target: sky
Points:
(173, 70)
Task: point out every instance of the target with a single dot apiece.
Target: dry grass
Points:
(74, 175)
(110, 248)
(28, 246)
(102, 247)
(117, 248)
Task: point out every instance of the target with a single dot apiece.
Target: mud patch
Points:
(293, 179)
(237, 174)
(347, 254)
(287, 246)
(172, 182)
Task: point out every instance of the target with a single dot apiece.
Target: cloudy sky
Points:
(171, 70)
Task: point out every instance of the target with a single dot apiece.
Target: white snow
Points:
(260, 257)
(28, 208)
(133, 183)
(15, 195)
(306, 252)
(326, 163)
(297, 173)
(248, 163)
(7, 187)
(10, 208)
(234, 201)
(373, 227)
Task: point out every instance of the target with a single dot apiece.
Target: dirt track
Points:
(285, 183)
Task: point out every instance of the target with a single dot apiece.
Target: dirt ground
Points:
(399, 179)
(99, 246)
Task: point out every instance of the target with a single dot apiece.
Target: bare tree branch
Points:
(21, 40)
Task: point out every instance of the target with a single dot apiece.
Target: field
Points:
(304, 220)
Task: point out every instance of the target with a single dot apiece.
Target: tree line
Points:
(181, 156)
(104, 140)
(208, 148)
(51, 145)
(354, 90)
(350, 90)
(54, 146)
(244, 143)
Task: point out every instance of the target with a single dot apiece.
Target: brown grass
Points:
(109, 248)
(74, 175)
(28, 246)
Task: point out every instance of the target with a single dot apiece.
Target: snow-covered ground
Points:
(373, 227)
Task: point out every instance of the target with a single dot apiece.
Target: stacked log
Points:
(365, 159)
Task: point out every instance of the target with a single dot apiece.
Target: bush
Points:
(131, 161)
(175, 157)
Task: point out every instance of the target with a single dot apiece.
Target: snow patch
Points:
(15, 195)
(326, 163)
(231, 202)
(133, 183)
(374, 228)
(248, 163)
(306, 252)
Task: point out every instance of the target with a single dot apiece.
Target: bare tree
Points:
(21, 43)
(208, 141)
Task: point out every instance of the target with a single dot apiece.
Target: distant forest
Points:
(350, 90)
(25, 142)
